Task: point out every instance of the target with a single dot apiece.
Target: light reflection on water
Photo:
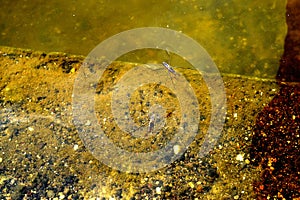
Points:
(243, 37)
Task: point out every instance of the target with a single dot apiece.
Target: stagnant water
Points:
(243, 37)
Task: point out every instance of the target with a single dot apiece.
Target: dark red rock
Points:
(276, 146)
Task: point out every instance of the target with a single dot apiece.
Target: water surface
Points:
(243, 37)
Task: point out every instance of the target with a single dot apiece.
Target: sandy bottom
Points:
(42, 155)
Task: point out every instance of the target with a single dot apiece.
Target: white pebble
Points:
(240, 157)
(88, 123)
(235, 115)
(61, 195)
(176, 149)
(158, 190)
(75, 147)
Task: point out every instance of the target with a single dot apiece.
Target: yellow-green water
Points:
(243, 37)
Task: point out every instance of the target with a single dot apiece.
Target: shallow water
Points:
(44, 153)
(243, 37)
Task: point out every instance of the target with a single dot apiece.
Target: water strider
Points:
(169, 67)
(170, 70)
